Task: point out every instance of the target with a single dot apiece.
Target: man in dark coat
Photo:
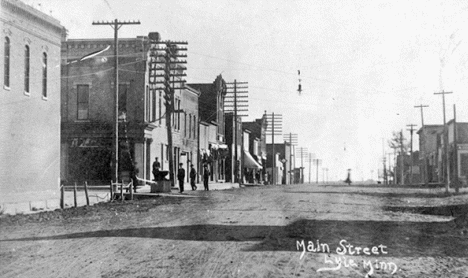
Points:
(181, 177)
(193, 175)
(156, 167)
(206, 176)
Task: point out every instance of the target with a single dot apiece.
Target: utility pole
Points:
(411, 151)
(236, 101)
(291, 138)
(455, 149)
(423, 145)
(402, 158)
(317, 163)
(311, 156)
(447, 174)
(116, 24)
(275, 128)
(168, 55)
(302, 153)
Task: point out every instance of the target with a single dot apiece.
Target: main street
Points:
(305, 230)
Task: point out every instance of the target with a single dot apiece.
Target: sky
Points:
(363, 65)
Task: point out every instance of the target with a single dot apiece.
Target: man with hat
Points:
(181, 177)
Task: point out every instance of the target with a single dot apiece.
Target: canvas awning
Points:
(249, 161)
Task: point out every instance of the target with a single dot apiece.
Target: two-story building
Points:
(30, 113)
(88, 111)
(211, 112)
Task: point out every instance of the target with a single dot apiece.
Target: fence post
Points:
(130, 185)
(121, 191)
(86, 192)
(74, 195)
(111, 191)
(62, 197)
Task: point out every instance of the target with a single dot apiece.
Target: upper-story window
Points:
(190, 126)
(83, 102)
(6, 61)
(27, 59)
(44, 75)
(194, 126)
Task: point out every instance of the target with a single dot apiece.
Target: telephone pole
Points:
(317, 163)
(311, 156)
(411, 151)
(236, 101)
(455, 149)
(116, 24)
(423, 145)
(167, 55)
(447, 166)
(303, 153)
(291, 138)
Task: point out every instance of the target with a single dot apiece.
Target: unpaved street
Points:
(247, 232)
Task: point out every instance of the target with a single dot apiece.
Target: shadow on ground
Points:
(383, 194)
(401, 238)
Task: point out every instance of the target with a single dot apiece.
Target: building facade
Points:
(211, 112)
(88, 112)
(429, 156)
(30, 100)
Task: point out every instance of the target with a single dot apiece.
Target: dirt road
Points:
(280, 231)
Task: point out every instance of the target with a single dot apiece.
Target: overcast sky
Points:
(364, 64)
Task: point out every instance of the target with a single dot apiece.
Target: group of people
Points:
(181, 175)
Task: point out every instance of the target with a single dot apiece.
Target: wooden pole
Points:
(111, 191)
(62, 197)
(121, 191)
(130, 185)
(74, 195)
(86, 192)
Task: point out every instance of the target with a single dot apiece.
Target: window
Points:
(82, 92)
(147, 110)
(154, 104)
(6, 61)
(26, 68)
(194, 126)
(185, 124)
(160, 101)
(44, 75)
(178, 114)
(190, 126)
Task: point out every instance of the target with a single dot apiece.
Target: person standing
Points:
(206, 176)
(193, 175)
(156, 167)
(181, 177)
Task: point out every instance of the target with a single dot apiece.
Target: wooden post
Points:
(86, 192)
(130, 185)
(121, 191)
(62, 197)
(74, 195)
(111, 191)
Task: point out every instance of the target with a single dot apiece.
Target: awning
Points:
(249, 161)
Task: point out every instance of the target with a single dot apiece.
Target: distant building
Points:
(458, 150)
(257, 142)
(211, 112)
(429, 142)
(30, 107)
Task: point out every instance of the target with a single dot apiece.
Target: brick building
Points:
(30, 101)
(88, 112)
(211, 111)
